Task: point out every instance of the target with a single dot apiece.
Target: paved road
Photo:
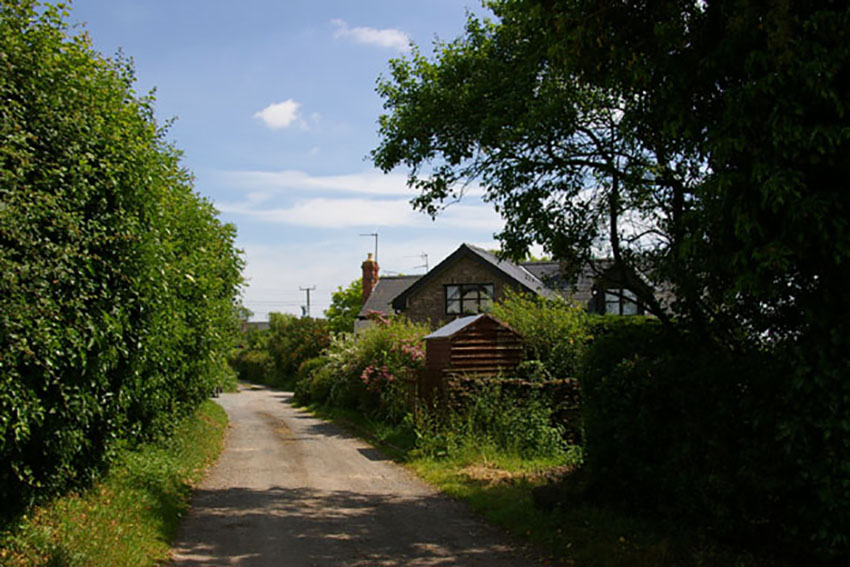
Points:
(291, 490)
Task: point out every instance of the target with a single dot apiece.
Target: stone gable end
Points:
(428, 304)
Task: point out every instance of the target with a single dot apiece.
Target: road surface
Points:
(291, 490)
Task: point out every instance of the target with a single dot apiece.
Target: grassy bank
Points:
(131, 516)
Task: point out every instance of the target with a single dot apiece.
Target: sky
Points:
(275, 110)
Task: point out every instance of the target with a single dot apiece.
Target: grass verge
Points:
(583, 534)
(131, 516)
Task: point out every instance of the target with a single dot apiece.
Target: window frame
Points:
(487, 298)
(622, 296)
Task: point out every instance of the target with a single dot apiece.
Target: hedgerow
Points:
(274, 356)
(117, 281)
(681, 426)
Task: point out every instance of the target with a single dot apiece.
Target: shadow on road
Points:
(309, 527)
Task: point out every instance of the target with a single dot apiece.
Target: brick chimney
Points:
(370, 276)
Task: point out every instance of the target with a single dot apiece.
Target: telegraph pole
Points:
(308, 290)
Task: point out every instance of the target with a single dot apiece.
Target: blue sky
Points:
(276, 112)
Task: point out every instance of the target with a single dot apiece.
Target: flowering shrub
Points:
(372, 371)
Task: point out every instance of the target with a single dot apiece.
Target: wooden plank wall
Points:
(485, 348)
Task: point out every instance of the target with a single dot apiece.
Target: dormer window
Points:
(468, 299)
(621, 301)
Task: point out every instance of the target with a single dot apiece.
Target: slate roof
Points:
(549, 273)
(387, 289)
(515, 271)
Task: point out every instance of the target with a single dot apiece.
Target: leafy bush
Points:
(118, 281)
(491, 416)
(679, 424)
(372, 371)
(555, 333)
(305, 375)
(291, 341)
(255, 366)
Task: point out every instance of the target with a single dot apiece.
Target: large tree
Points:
(702, 143)
(344, 307)
(698, 143)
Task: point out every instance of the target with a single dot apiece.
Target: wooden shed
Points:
(477, 344)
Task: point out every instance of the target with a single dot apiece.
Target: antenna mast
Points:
(375, 234)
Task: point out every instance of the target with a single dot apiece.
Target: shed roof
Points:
(458, 325)
(451, 328)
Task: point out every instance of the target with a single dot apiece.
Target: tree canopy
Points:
(344, 307)
(704, 144)
(697, 143)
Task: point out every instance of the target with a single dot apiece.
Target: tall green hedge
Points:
(679, 425)
(117, 281)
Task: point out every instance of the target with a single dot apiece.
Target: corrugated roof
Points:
(387, 288)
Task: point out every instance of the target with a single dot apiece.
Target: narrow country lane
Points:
(291, 490)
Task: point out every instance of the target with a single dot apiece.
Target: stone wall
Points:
(428, 304)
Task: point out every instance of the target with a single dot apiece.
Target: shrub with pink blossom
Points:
(374, 370)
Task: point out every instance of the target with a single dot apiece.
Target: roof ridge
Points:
(498, 260)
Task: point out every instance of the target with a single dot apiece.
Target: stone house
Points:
(471, 279)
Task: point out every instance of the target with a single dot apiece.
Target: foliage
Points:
(492, 107)
(118, 281)
(652, 441)
(554, 332)
(700, 143)
(644, 126)
(344, 307)
(275, 356)
(255, 366)
(372, 370)
(129, 517)
(291, 341)
(495, 417)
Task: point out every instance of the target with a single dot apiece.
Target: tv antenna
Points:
(375, 234)
(424, 258)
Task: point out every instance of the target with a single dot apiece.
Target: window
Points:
(466, 299)
(620, 301)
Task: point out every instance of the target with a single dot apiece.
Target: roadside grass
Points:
(130, 517)
(581, 534)
(500, 487)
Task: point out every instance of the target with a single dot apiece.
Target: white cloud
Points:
(279, 114)
(348, 213)
(330, 213)
(365, 183)
(389, 37)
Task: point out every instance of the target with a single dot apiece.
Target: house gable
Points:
(425, 300)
